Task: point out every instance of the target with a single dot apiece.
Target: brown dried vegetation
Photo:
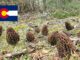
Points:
(78, 34)
(1, 30)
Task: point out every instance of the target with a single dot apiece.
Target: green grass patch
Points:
(61, 14)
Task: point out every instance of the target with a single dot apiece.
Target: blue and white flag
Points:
(8, 13)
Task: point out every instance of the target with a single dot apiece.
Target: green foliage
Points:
(60, 14)
(64, 14)
(64, 8)
(20, 27)
(26, 57)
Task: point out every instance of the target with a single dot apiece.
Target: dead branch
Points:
(16, 54)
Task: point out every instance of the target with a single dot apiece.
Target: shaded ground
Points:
(42, 49)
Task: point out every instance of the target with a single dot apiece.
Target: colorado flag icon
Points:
(8, 13)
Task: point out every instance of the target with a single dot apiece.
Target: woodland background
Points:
(34, 13)
(56, 8)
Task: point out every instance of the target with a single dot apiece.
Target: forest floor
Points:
(41, 49)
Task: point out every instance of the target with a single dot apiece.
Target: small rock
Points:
(31, 50)
(31, 47)
(45, 51)
(31, 25)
